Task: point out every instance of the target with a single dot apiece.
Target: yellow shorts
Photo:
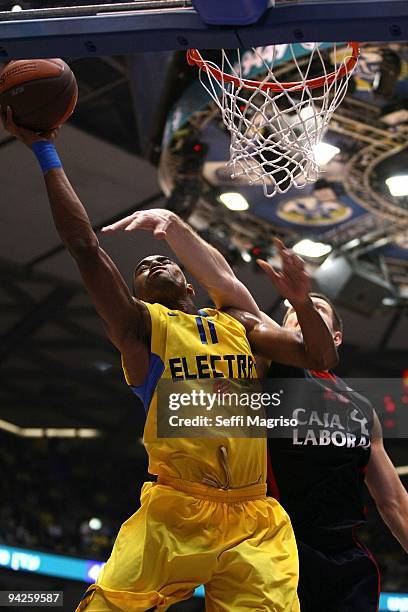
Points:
(238, 543)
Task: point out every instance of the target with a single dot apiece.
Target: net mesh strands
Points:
(274, 125)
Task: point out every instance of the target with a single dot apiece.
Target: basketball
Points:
(42, 93)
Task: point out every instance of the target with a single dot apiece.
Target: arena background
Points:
(143, 135)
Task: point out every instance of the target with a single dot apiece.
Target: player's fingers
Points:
(283, 252)
(291, 262)
(138, 223)
(7, 117)
(286, 259)
(10, 118)
(297, 261)
(305, 276)
(7, 120)
(268, 269)
(279, 245)
(50, 135)
(291, 273)
(3, 118)
(122, 224)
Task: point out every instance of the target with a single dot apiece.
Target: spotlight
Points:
(234, 201)
(398, 185)
(102, 366)
(308, 248)
(324, 153)
(246, 256)
(95, 524)
(389, 302)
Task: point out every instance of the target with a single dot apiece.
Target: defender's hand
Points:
(293, 282)
(156, 220)
(28, 137)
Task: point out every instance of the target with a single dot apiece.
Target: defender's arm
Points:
(204, 262)
(387, 489)
(313, 349)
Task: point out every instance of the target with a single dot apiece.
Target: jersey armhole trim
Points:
(145, 392)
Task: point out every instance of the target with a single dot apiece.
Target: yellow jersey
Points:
(208, 345)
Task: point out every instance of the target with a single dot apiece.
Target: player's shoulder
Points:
(161, 313)
(155, 308)
(239, 320)
(214, 313)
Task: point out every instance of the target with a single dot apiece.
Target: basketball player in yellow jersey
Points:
(207, 519)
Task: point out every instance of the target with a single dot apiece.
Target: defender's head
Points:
(158, 279)
(327, 312)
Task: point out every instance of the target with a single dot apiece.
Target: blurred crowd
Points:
(51, 488)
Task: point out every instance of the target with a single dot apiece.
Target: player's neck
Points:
(185, 305)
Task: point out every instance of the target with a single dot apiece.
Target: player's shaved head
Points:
(157, 278)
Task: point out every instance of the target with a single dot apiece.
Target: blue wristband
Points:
(46, 154)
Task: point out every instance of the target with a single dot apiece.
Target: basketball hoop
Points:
(275, 125)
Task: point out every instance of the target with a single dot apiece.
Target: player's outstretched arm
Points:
(275, 343)
(127, 320)
(202, 261)
(387, 489)
(314, 347)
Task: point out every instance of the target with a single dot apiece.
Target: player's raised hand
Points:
(156, 220)
(293, 282)
(26, 136)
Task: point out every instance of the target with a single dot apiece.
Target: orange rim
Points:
(194, 57)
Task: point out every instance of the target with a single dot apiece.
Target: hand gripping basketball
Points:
(42, 92)
(28, 137)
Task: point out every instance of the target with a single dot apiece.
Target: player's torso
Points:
(210, 344)
(319, 470)
(200, 351)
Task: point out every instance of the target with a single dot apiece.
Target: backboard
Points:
(159, 25)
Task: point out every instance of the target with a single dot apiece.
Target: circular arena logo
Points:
(312, 211)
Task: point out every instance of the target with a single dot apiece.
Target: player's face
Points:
(322, 306)
(158, 278)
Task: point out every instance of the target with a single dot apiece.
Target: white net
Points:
(276, 126)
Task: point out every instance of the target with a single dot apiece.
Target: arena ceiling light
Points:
(389, 301)
(48, 432)
(246, 256)
(95, 523)
(398, 185)
(309, 248)
(324, 152)
(234, 201)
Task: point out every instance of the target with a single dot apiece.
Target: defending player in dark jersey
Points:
(318, 475)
